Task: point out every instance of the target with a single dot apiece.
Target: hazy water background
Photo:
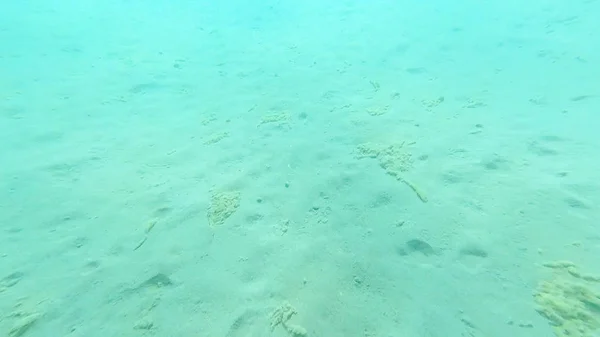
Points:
(291, 168)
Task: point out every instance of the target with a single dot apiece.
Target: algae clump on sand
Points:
(570, 301)
(222, 205)
(395, 159)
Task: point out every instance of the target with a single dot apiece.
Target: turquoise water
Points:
(299, 168)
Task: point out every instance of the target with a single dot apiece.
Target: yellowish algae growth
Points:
(25, 315)
(275, 118)
(222, 206)
(208, 120)
(378, 111)
(394, 159)
(215, 138)
(282, 315)
(472, 103)
(570, 300)
(432, 103)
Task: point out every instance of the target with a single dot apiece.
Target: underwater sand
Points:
(299, 169)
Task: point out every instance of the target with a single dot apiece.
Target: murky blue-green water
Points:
(299, 168)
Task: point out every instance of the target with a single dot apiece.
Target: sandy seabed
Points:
(308, 169)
